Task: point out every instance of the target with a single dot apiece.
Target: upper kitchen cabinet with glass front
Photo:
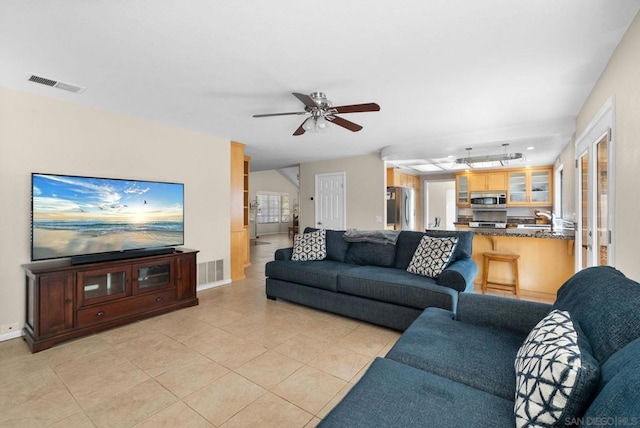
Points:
(530, 187)
(462, 190)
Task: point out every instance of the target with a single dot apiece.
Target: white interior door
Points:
(330, 201)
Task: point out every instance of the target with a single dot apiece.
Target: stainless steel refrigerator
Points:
(401, 208)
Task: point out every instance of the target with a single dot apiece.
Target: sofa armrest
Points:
(516, 316)
(283, 254)
(459, 275)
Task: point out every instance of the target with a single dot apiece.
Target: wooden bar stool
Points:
(500, 257)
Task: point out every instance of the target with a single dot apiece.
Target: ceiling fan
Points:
(321, 112)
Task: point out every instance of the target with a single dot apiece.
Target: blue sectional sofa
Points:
(458, 370)
(369, 281)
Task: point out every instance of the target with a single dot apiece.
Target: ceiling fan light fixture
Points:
(322, 113)
(321, 124)
(309, 124)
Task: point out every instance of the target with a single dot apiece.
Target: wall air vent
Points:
(56, 84)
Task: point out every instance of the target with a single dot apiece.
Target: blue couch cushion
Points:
(396, 286)
(619, 390)
(474, 355)
(369, 254)
(319, 274)
(408, 242)
(605, 304)
(336, 246)
(391, 394)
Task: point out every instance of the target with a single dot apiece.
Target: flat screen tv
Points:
(76, 217)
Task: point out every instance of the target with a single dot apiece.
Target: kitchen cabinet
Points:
(462, 190)
(495, 180)
(396, 178)
(65, 301)
(478, 182)
(530, 187)
(525, 187)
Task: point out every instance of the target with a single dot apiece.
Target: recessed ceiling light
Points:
(407, 162)
(427, 167)
(530, 148)
(451, 165)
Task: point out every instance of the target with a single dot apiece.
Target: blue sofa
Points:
(369, 281)
(458, 370)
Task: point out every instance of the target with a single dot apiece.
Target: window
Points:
(285, 212)
(273, 208)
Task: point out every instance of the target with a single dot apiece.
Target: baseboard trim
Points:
(11, 335)
(203, 287)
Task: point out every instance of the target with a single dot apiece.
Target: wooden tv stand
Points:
(65, 301)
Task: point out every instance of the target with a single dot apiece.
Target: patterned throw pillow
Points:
(556, 375)
(432, 256)
(310, 246)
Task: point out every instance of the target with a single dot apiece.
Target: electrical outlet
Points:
(9, 328)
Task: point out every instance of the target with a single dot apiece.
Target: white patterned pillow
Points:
(432, 256)
(556, 375)
(310, 246)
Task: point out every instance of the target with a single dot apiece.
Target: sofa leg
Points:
(271, 297)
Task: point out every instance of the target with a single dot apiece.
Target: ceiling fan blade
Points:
(344, 123)
(279, 114)
(306, 100)
(300, 129)
(356, 108)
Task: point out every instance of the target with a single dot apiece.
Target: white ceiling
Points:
(448, 74)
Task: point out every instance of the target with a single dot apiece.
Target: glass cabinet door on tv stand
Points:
(104, 284)
(148, 277)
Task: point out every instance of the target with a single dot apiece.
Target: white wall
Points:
(620, 79)
(365, 190)
(43, 135)
(271, 181)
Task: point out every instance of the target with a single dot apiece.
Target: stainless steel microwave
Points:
(488, 199)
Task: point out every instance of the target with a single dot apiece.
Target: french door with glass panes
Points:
(594, 211)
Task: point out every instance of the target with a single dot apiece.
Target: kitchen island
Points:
(546, 258)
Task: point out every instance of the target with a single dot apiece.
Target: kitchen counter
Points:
(523, 233)
(546, 258)
(566, 234)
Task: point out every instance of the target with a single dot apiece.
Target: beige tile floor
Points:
(235, 360)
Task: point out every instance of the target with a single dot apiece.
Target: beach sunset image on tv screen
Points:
(83, 215)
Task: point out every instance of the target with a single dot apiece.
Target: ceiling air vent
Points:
(55, 84)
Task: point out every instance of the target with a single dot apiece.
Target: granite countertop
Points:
(522, 233)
